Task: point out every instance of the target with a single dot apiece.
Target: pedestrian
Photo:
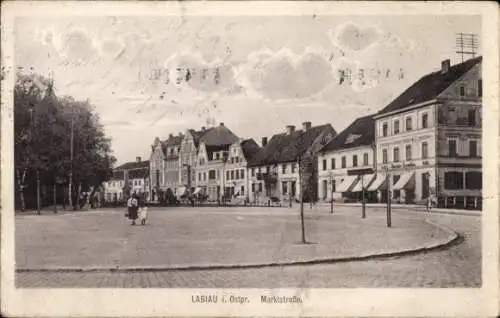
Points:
(132, 209)
(429, 203)
(143, 212)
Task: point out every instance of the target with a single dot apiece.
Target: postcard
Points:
(249, 159)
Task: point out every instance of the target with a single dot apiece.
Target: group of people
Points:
(136, 209)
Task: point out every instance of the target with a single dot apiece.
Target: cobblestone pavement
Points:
(456, 266)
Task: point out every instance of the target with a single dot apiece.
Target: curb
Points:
(451, 239)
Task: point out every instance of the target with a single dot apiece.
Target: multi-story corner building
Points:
(235, 168)
(428, 139)
(274, 170)
(213, 146)
(165, 165)
(128, 178)
(346, 164)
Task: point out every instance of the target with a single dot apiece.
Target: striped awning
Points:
(347, 184)
(363, 182)
(406, 181)
(197, 190)
(180, 191)
(378, 183)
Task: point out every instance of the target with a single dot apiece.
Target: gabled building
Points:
(274, 170)
(207, 170)
(428, 139)
(346, 164)
(165, 165)
(113, 188)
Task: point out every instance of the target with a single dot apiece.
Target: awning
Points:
(180, 191)
(346, 184)
(407, 180)
(197, 190)
(378, 182)
(365, 182)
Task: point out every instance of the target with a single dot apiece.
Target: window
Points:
(354, 160)
(242, 173)
(232, 175)
(293, 167)
(333, 163)
(242, 192)
(453, 180)
(325, 189)
(462, 91)
(227, 175)
(232, 160)
(343, 162)
(396, 154)
(253, 172)
(204, 176)
(253, 187)
(237, 173)
(324, 164)
(284, 185)
(237, 159)
(365, 159)
(473, 148)
(211, 175)
(425, 151)
(471, 117)
(260, 187)
(425, 121)
(385, 127)
(333, 185)
(283, 168)
(408, 152)
(473, 180)
(452, 148)
(199, 176)
(408, 124)
(396, 127)
(384, 156)
(480, 88)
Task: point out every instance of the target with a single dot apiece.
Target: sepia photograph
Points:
(216, 151)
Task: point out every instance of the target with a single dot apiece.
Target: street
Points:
(455, 266)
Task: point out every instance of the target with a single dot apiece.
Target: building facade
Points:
(129, 178)
(428, 139)
(274, 171)
(346, 165)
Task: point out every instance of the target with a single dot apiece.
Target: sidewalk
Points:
(407, 207)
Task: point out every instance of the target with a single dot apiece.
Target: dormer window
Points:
(462, 91)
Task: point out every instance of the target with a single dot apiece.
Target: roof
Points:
(133, 165)
(213, 148)
(287, 147)
(118, 175)
(249, 148)
(138, 173)
(360, 132)
(171, 141)
(430, 86)
(215, 136)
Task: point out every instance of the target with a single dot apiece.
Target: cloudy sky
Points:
(273, 71)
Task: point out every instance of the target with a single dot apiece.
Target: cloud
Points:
(285, 75)
(76, 46)
(352, 37)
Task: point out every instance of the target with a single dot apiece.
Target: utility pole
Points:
(70, 199)
(387, 179)
(363, 207)
(38, 191)
(301, 201)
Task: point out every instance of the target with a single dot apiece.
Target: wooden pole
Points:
(388, 200)
(70, 199)
(38, 191)
(302, 203)
(363, 207)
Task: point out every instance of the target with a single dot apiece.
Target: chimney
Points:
(264, 141)
(306, 125)
(180, 134)
(138, 159)
(290, 129)
(445, 66)
(170, 136)
(203, 128)
(221, 124)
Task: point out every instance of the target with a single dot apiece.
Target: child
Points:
(143, 212)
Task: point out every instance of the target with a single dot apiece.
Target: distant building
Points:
(346, 159)
(274, 170)
(429, 138)
(128, 178)
(165, 165)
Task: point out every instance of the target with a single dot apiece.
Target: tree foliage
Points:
(43, 126)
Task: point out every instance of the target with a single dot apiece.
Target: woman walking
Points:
(132, 204)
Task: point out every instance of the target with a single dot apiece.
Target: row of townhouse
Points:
(426, 142)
